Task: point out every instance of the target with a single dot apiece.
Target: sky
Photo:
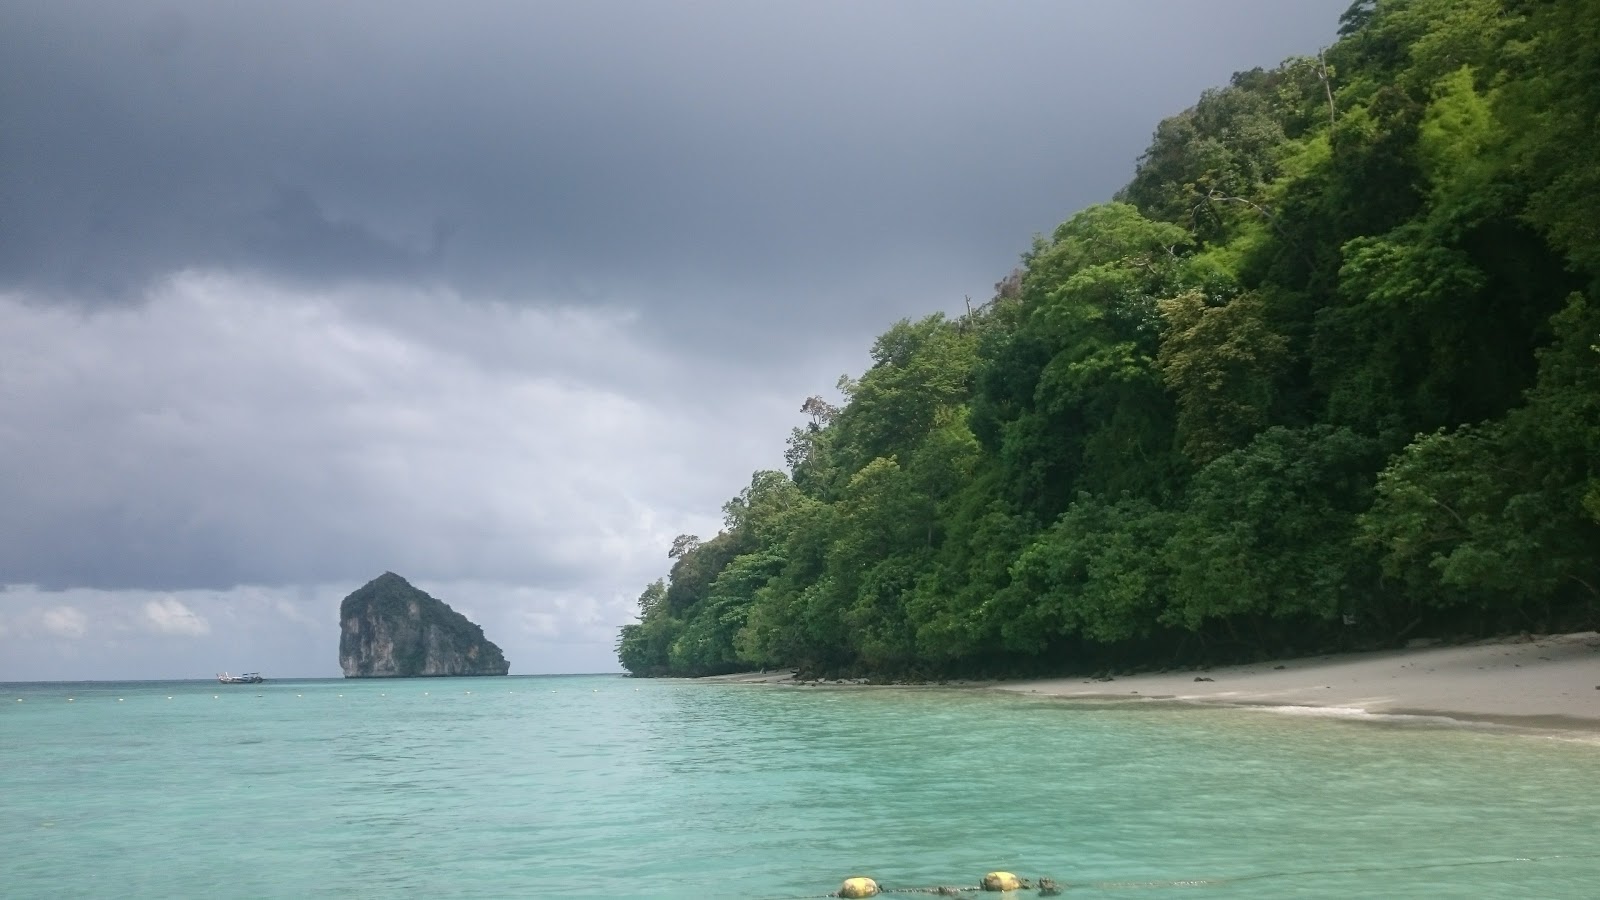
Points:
(499, 296)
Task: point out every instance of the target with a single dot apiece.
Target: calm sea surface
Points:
(599, 786)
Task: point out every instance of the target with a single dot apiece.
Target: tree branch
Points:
(1327, 86)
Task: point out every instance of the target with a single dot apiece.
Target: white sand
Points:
(1542, 682)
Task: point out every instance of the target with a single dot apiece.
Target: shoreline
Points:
(1545, 683)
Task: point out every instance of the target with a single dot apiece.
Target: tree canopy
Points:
(1325, 374)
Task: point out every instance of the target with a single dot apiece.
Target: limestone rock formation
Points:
(389, 629)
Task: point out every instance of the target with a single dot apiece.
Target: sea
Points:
(611, 787)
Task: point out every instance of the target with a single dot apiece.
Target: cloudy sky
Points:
(500, 296)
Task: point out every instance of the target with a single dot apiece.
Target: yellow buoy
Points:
(1001, 881)
(858, 887)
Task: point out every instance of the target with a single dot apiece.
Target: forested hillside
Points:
(1326, 374)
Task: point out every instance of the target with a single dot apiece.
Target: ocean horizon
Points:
(605, 786)
(297, 679)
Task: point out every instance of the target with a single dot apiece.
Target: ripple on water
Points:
(577, 787)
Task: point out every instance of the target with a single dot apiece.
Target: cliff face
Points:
(389, 629)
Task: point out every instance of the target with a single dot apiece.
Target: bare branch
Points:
(1216, 197)
(1327, 86)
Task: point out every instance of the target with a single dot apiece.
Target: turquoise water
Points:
(599, 786)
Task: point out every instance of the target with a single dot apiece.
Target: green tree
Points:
(1098, 572)
(1325, 374)
(1266, 534)
(1221, 361)
(1500, 515)
(1072, 394)
(1551, 103)
(643, 646)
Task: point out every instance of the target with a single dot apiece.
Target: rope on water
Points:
(952, 891)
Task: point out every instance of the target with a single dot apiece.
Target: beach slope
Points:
(1541, 681)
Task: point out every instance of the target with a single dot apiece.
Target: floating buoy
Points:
(169, 698)
(1001, 881)
(858, 887)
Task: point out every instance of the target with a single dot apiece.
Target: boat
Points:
(246, 678)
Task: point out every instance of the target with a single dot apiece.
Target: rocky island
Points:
(389, 629)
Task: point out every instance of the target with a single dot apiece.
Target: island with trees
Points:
(1324, 375)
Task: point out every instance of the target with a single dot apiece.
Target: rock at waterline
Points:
(389, 629)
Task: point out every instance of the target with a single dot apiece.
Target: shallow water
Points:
(600, 786)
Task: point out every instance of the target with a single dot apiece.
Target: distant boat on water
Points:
(246, 678)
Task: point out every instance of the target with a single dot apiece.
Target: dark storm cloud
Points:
(500, 296)
(747, 162)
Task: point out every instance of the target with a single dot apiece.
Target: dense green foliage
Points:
(1326, 374)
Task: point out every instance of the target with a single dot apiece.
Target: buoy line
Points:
(1048, 887)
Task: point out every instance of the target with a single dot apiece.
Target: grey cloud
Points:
(229, 431)
(296, 228)
(81, 634)
(723, 163)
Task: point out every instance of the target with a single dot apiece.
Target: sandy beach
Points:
(1542, 681)
(1537, 681)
